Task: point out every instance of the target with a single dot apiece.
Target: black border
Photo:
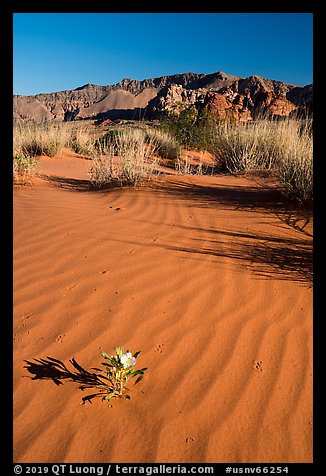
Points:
(6, 189)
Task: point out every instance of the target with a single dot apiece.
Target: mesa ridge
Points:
(219, 93)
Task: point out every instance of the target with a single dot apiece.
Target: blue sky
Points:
(58, 51)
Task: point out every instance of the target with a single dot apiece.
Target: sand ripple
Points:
(201, 287)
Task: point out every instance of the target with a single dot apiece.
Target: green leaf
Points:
(116, 362)
(137, 372)
(136, 354)
(108, 396)
(128, 372)
(113, 362)
(127, 397)
(139, 379)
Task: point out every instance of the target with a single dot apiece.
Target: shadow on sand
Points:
(56, 370)
(78, 185)
(269, 256)
(260, 197)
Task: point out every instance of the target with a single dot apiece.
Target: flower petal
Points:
(128, 360)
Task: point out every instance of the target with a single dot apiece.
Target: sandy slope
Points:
(119, 99)
(29, 107)
(209, 277)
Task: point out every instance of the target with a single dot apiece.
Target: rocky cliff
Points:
(221, 94)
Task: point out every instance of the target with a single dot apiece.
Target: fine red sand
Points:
(208, 276)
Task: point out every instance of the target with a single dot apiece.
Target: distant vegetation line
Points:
(129, 153)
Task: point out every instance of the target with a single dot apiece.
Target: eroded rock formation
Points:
(222, 95)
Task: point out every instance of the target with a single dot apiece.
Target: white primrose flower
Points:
(128, 360)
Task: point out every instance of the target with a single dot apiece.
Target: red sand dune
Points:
(210, 277)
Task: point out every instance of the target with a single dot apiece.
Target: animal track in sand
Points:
(60, 338)
(71, 286)
(257, 365)
(103, 271)
(189, 439)
(24, 319)
(27, 316)
(117, 208)
(160, 348)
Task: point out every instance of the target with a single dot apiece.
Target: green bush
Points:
(23, 166)
(191, 128)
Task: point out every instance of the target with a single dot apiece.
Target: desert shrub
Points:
(185, 167)
(81, 140)
(110, 140)
(133, 162)
(283, 147)
(23, 166)
(102, 172)
(191, 128)
(295, 171)
(181, 125)
(39, 139)
(164, 143)
(247, 146)
(296, 175)
(136, 160)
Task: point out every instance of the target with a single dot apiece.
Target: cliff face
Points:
(219, 93)
(240, 98)
(253, 96)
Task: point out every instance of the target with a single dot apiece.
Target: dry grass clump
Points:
(23, 168)
(39, 139)
(32, 140)
(102, 171)
(185, 167)
(283, 147)
(295, 170)
(246, 147)
(81, 140)
(123, 157)
(164, 143)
